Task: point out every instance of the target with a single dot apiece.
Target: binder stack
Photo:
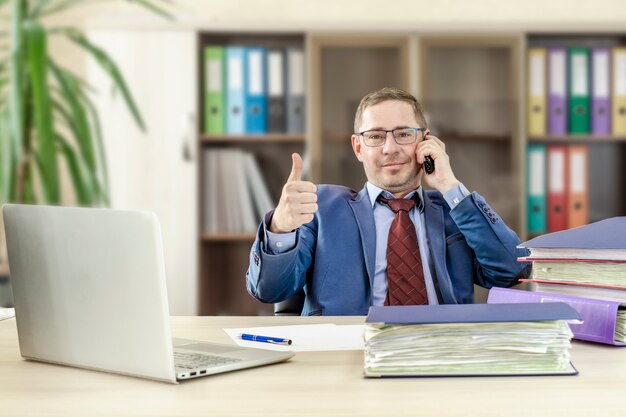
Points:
(469, 340)
(584, 267)
(557, 187)
(577, 91)
(253, 90)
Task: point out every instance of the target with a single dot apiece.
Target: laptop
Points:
(89, 291)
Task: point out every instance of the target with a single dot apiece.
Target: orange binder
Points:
(578, 200)
(557, 188)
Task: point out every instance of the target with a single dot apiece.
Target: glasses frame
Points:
(417, 129)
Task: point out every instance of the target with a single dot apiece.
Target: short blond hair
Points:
(385, 94)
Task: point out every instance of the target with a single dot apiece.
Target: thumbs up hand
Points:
(298, 201)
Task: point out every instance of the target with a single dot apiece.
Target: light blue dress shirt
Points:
(276, 243)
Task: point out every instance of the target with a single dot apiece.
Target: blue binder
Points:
(471, 313)
(235, 93)
(256, 90)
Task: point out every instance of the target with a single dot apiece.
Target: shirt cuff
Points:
(455, 195)
(277, 243)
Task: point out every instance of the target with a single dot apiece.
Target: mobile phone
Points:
(429, 163)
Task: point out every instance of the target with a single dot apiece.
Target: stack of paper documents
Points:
(475, 339)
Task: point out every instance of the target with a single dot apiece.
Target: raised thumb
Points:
(296, 168)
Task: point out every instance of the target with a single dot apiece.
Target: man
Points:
(341, 246)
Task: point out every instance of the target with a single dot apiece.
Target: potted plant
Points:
(46, 114)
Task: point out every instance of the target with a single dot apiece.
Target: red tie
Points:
(405, 276)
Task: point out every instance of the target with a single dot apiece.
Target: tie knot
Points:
(397, 204)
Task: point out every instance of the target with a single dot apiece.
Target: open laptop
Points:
(89, 291)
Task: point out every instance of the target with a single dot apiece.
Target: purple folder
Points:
(600, 91)
(557, 87)
(598, 316)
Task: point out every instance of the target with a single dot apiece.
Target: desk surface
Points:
(310, 384)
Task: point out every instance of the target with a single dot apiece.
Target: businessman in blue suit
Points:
(331, 241)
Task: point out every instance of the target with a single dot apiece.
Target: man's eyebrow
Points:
(382, 128)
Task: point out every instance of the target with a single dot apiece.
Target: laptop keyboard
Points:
(192, 361)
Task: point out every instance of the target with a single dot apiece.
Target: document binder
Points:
(537, 92)
(214, 102)
(276, 91)
(578, 201)
(601, 103)
(469, 340)
(599, 316)
(579, 119)
(619, 91)
(235, 98)
(256, 119)
(470, 313)
(536, 188)
(295, 91)
(557, 191)
(557, 85)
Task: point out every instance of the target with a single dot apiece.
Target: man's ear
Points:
(356, 146)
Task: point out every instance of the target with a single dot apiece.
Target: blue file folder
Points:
(256, 90)
(235, 94)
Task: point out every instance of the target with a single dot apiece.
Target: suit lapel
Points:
(435, 227)
(364, 215)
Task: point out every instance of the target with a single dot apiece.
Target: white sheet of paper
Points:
(6, 313)
(308, 337)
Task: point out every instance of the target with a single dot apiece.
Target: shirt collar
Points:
(374, 191)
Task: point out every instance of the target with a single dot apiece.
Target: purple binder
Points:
(598, 316)
(600, 90)
(557, 87)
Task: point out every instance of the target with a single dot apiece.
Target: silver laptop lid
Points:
(89, 288)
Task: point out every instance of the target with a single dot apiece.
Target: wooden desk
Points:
(310, 384)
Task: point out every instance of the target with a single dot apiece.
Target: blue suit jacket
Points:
(333, 260)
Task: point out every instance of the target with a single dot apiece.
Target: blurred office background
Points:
(229, 89)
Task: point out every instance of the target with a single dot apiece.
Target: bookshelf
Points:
(223, 255)
(473, 86)
(606, 149)
(469, 87)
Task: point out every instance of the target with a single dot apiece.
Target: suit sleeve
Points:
(493, 242)
(272, 278)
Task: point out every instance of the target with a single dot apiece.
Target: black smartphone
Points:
(429, 163)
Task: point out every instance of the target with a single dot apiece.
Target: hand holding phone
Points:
(429, 163)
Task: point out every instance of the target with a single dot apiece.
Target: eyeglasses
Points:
(402, 136)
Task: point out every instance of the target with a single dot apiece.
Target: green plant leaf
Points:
(18, 70)
(76, 118)
(107, 64)
(154, 8)
(82, 191)
(60, 6)
(7, 164)
(35, 11)
(102, 175)
(45, 151)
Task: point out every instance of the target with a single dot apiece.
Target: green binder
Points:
(579, 91)
(536, 188)
(214, 90)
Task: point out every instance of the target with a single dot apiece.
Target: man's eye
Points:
(376, 136)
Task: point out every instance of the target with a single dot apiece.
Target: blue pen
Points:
(265, 339)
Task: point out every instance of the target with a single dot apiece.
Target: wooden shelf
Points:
(578, 138)
(228, 237)
(239, 139)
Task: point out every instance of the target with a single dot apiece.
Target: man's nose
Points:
(390, 144)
